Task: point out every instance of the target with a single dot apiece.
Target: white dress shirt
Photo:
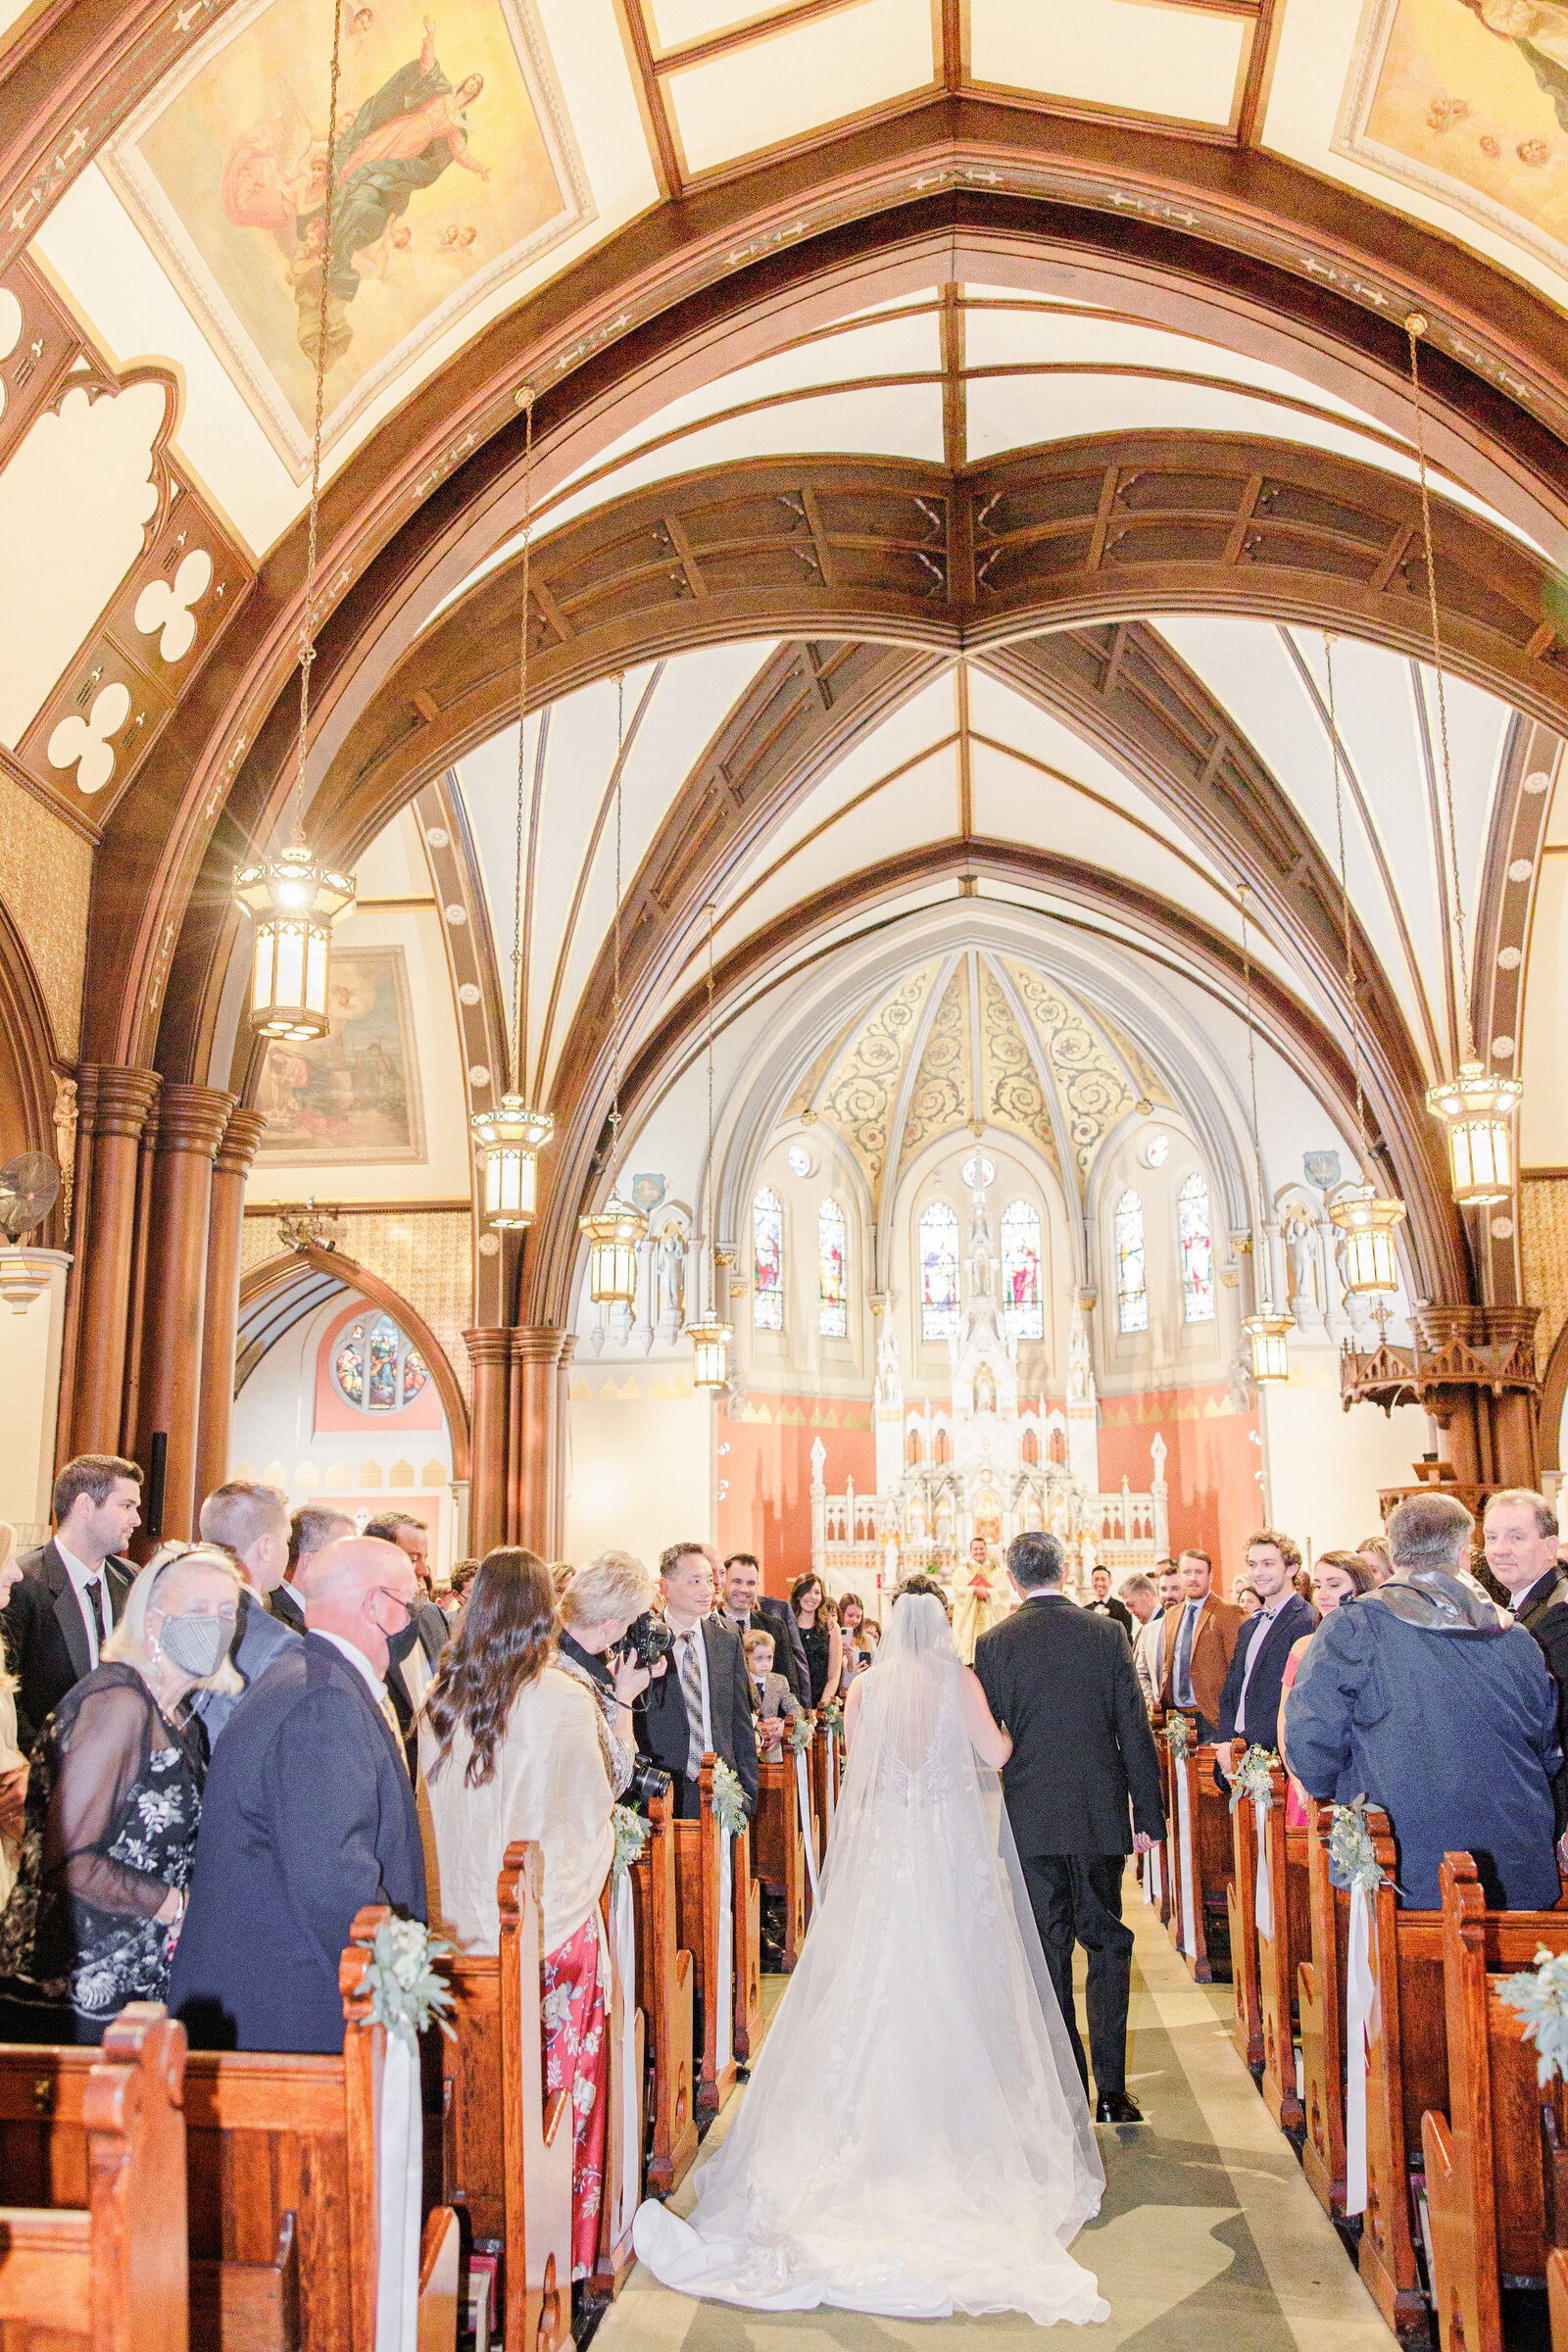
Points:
(82, 1576)
(354, 1657)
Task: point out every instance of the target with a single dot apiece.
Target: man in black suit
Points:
(1062, 1683)
(1519, 1529)
(1102, 1604)
(308, 1813)
(310, 1530)
(75, 1588)
(702, 1701)
(1249, 1702)
(746, 1608)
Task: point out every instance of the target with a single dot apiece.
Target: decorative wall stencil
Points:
(1468, 100)
(165, 606)
(1092, 1084)
(352, 1096)
(942, 1096)
(860, 1093)
(1011, 1093)
(45, 881)
(453, 167)
(88, 744)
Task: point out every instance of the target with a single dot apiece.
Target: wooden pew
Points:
(625, 2079)
(1203, 1939)
(1486, 2185)
(748, 1900)
(1321, 2004)
(1408, 2072)
(665, 1984)
(1241, 1897)
(1279, 1958)
(697, 1920)
(781, 1850)
(506, 2141)
(97, 2256)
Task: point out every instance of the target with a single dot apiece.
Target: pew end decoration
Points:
(1178, 1737)
(1351, 1850)
(1253, 1777)
(833, 1717)
(406, 1994)
(632, 1834)
(1539, 1996)
(798, 1732)
(729, 1800)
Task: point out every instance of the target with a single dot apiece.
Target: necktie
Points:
(389, 1718)
(1182, 1677)
(691, 1684)
(95, 1604)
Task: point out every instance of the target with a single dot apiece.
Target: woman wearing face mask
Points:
(113, 1803)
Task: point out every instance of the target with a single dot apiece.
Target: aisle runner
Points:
(1263, 1907)
(1360, 1998)
(623, 1933)
(724, 2022)
(399, 2166)
(1184, 1847)
(802, 1793)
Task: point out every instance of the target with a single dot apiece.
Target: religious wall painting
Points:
(353, 1096)
(453, 167)
(1468, 100)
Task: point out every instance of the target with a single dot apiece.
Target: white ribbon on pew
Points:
(1263, 1906)
(1155, 1875)
(627, 2190)
(1361, 1995)
(724, 2003)
(802, 1793)
(1184, 1847)
(399, 2169)
(829, 1783)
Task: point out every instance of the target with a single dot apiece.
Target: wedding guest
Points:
(1202, 1643)
(819, 1637)
(702, 1705)
(595, 1610)
(1101, 1603)
(114, 1802)
(1423, 1698)
(414, 1651)
(1374, 1549)
(776, 1702)
(1519, 1531)
(1148, 1650)
(1248, 1601)
(464, 1573)
(251, 1523)
(307, 1815)
(561, 1573)
(310, 1530)
(852, 1616)
(871, 1637)
(1335, 1576)
(13, 1763)
(744, 1605)
(74, 1589)
(512, 1748)
(1250, 1703)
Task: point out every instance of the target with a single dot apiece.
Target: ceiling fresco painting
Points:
(454, 166)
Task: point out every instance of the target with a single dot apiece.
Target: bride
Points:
(915, 2140)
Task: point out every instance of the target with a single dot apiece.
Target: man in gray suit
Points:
(251, 1523)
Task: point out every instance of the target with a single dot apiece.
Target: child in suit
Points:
(771, 1696)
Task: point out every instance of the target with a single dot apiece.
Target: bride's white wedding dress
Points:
(915, 2140)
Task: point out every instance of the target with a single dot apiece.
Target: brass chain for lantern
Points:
(520, 975)
(1415, 327)
(1345, 897)
(615, 1232)
(711, 1338)
(313, 529)
(1265, 1329)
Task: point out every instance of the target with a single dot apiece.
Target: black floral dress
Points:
(113, 1803)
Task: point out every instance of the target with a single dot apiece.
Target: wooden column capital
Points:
(241, 1142)
(542, 1343)
(194, 1118)
(488, 1346)
(113, 1098)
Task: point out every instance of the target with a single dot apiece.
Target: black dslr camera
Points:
(648, 1639)
(647, 1782)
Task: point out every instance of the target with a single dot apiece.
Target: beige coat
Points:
(550, 1783)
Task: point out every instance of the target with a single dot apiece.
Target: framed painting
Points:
(353, 1096)
(1468, 101)
(454, 166)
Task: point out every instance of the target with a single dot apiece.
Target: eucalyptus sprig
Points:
(1178, 1737)
(730, 1798)
(1253, 1777)
(406, 1993)
(833, 1717)
(1541, 2000)
(631, 1840)
(1350, 1847)
(800, 1732)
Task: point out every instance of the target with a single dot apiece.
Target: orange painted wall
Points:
(1211, 1468)
(766, 1507)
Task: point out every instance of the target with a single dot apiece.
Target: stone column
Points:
(192, 1123)
(490, 1353)
(221, 1318)
(114, 1103)
(540, 1354)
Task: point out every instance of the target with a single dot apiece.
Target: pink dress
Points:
(1295, 1800)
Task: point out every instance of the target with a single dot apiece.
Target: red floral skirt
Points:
(576, 2059)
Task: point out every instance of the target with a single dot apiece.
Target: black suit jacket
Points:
(662, 1726)
(1546, 1616)
(776, 1617)
(1262, 1727)
(308, 1813)
(1118, 1610)
(285, 1608)
(45, 1635)
(1063, 1683)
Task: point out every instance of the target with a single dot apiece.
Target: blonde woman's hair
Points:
(127, 1644)
(8, 1553)
(614, 1584)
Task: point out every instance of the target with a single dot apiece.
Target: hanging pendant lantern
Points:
(1477, 1108)
(294, 902)
(1268, 1337)
(711, 1352)
(509, 1138)
(1368, 1224)
(613, 1234)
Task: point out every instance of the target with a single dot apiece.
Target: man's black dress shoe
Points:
(1119, 2110)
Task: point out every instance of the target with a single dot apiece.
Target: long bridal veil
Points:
(915, 2140)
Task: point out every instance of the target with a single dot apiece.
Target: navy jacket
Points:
(308, 1813)
(1260, 1727)
(1453, 1732)
(259, 1639)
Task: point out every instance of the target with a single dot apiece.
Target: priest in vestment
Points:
(981, 1598)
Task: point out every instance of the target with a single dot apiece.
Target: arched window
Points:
(939, 1272)
(1132, 1279)
(1023, 1306)
(767, 1261)
(375, 1367)
(1196, 1242)
(1029, 1448)
(832, 1272)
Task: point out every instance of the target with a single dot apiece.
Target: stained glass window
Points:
(1132, 1280)
(767, 1261)
(377, 1368)
(1196, 1250)
(1023, 1305)
(939, 1272)
(832, 1256)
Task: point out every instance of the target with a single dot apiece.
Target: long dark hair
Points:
(504, 1639)
(797, 1591)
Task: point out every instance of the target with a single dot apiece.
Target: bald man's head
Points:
(361, 1588)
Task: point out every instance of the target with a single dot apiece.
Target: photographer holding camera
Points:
(609, 1643)
(703, 1702)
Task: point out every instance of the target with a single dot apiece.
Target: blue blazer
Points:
(308, 1813)
(1261, 1725)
